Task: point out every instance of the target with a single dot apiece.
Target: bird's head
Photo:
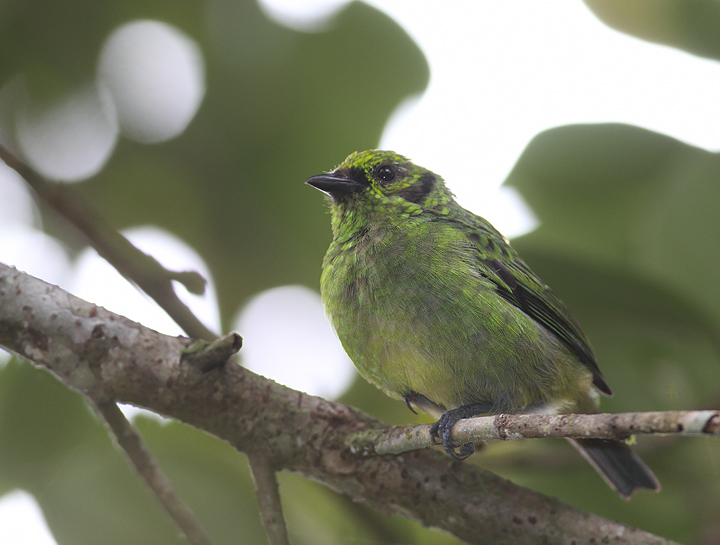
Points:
(377, 182)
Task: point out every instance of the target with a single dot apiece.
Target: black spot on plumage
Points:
(351, 290)
(417, 192)
(499, 268)
(488, 244)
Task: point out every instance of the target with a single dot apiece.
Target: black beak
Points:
(334, 183)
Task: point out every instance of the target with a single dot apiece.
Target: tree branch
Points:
(147, 468)
(504, 427)
(137, 266)
(269, 498)
(106, 356)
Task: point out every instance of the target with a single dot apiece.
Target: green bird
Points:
(435, 308)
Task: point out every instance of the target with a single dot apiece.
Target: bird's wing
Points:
(516, 283)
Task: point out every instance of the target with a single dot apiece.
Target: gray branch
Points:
(135, 265)
(106, 356)
(505, 427)
(144, 463)
(268, 493)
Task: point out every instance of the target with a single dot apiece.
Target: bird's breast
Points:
(414, 315)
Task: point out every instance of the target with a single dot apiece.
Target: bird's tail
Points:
(623, 470)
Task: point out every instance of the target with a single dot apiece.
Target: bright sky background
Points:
(501, 72)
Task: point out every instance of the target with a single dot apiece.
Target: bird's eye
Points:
(385, 173)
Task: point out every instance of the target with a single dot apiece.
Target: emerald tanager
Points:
(435, 307)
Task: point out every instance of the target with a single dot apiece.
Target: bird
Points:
(435, 308)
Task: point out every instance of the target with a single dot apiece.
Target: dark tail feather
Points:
(623, 470)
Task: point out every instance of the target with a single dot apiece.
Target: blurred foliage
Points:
(628, 237)
(690, 25)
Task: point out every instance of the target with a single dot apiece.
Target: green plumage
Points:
(434, 306)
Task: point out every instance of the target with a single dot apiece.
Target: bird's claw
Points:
(408, 402)
(442, 431)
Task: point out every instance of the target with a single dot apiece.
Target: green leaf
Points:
(690, 25)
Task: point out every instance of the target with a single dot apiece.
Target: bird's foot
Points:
(442, 429)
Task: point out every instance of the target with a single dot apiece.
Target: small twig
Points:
(147, 468)
(523, 426)
(268, 494)
(138, 267)
(207, 356)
